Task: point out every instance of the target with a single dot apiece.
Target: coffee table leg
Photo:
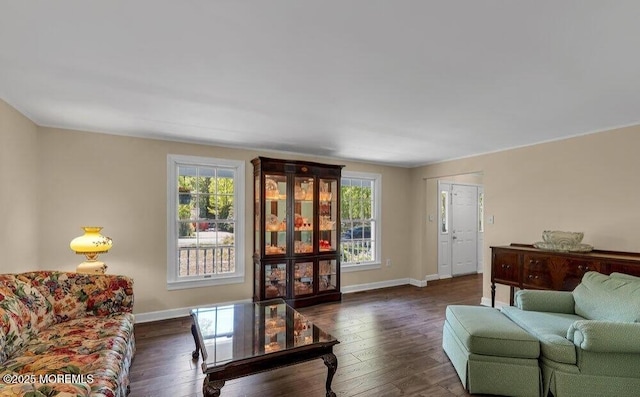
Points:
(211, 388)
(196, 353)
(331, 362)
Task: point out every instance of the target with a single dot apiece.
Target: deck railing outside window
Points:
(195, 261)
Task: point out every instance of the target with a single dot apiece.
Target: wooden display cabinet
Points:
(296, 231)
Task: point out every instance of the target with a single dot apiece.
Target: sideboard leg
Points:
(493, 294)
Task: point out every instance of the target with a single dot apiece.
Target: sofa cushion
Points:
(23, 312)
(601, 297)
(100, 346)
(84, 336)
(624, 275)
(485, 331)
(550, 329)
(74, 295)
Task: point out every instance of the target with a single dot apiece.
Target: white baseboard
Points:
(418, 283)
(184, 311)
(431, 277)
(175, 313)
(391, 283)
(380, 284)
(487, 302)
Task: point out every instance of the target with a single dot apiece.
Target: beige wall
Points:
(65, 179)
(120, 183)
(587, 183)
(19, 209)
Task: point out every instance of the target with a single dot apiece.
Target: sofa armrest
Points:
(111, 294)
(545, 301)
(605, 336)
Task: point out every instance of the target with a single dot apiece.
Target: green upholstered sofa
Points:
(589, 337)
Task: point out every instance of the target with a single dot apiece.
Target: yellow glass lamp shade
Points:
(91, 244)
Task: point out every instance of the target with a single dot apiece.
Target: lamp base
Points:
(92, 267)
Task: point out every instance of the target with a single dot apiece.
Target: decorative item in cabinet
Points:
(275, 280)
(327, 275)
(297, 212)
(328, 214)
(303, 278)
(275, 227)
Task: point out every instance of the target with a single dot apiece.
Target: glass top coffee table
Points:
(244, 339)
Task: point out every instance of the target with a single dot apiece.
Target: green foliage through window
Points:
(358, 220)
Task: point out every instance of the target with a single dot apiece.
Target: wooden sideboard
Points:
(525, 267)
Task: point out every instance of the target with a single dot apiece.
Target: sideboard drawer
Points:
(537, 272)
(575, 270)
(505, 268)
(622, 267)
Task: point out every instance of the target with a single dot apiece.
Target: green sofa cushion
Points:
(484, 330)
(545, 301)
(601, 297)
(550, 329)
(624, 275)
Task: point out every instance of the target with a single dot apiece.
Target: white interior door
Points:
(464, 229)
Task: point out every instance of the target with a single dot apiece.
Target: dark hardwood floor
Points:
(391, 345)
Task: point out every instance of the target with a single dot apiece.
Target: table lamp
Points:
(91, 244)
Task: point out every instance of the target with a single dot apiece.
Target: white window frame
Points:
(376, 263)
(175, 282)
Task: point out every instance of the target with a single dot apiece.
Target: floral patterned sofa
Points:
(65, 334)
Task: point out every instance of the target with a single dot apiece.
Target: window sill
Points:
(360, 267)
(204, 282)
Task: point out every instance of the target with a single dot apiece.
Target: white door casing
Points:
(459, 237)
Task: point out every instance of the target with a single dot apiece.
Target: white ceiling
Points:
(401, 82)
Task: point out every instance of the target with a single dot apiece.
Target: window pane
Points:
(357, 220)
(481, 212)
(206, 228)
(444, 211)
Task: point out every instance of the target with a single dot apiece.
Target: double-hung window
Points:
(205, 244)
(360, 220)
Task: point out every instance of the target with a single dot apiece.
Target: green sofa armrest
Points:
(545, 301)
(605, 336)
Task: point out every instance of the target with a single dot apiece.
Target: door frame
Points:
(445, 248)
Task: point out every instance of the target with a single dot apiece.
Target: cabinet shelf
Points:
(296, 231)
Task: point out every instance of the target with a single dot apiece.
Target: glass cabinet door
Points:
(327, 214)
(303, 215)
(303, 278)
(275, 230)
(327, 275)
(257, 228)
(275, 280)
